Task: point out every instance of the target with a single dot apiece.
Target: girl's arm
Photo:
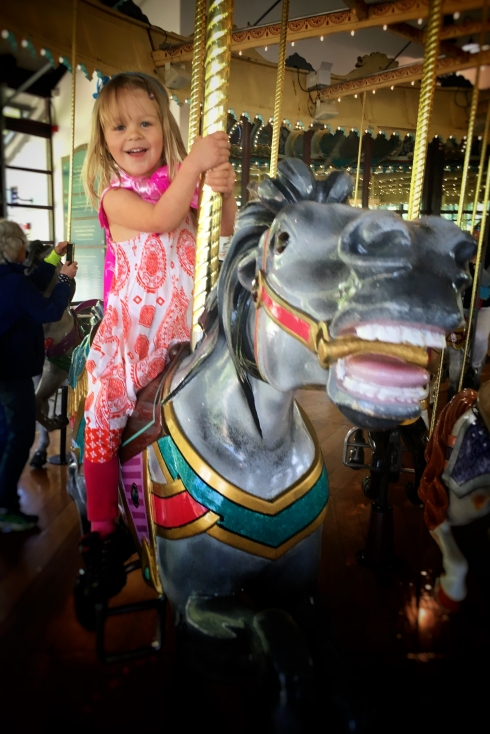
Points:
(126, 209)
(222, 180)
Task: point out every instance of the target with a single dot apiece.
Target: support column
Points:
(367, 147)
(246, 142)
(307, 146)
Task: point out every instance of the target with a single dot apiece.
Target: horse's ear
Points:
(335, 189)
(247, 269)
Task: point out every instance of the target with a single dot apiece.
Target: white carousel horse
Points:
(455, 487)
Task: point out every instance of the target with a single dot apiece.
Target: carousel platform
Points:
(407, 664)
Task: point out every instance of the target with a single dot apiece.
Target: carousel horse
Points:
(455, 487)
(222, 476)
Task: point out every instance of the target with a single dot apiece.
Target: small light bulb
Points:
(265, 48)
(385, 27)
(60, 59)
(339, 99)
(456, 15)
(321, 38)
(374, 91)
(392, 87)
(355, 96)
(43, 52)
(24, 43)
(420, 21)
(5, 34)
(292, 43)
(413, 84)
(352, 33)
(239, 53)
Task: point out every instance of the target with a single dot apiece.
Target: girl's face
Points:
(134, 137)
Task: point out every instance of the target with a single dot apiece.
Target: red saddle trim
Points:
(175, 511)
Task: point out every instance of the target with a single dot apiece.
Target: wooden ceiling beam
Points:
(359, 7)
(379, 14)
(402, 75)
(417, 35)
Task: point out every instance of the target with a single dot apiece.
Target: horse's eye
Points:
(281, 242)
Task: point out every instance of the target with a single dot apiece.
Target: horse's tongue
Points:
(381, 370)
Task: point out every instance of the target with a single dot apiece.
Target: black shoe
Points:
(104, 575)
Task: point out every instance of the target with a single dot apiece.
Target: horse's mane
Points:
(228, 305)
(432, 491)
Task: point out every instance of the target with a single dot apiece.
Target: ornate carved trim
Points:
(321, 25)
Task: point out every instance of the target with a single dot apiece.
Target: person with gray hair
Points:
(23, 311)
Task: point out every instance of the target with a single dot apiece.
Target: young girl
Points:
(137, 169)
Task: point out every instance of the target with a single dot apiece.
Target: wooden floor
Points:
(410, 667)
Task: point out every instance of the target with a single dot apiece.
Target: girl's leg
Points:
(100, 463)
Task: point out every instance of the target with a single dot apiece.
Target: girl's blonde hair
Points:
(100, 167)
(12, 239)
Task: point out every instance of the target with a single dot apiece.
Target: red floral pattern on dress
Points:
(147, 315)
(152, 269)
(146, 311)
(122, 271)
(186, 252)
(101, 444)
(112, 400)
(142, 346)
(126, 319)
(174, 326)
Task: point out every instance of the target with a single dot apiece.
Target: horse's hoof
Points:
(448, 604)
(38, 460)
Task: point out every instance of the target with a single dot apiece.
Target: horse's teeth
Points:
(382, 393)
(401, 335)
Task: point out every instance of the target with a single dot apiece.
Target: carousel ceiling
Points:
(37, 32)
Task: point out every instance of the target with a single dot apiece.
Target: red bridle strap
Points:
(289, 318)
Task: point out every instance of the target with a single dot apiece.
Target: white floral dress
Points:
(148, 308)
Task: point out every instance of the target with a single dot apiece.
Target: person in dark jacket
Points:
(23, 311)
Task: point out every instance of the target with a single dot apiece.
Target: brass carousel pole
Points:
(281, 70)
(197, 71)
(480, 169)
(474, 291)
(427, 88)
(469, 141)
(359, 152)
(487, 122)
(72, 118)
(216, 78)
(432, 38)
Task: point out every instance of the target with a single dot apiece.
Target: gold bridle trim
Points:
(328, 349)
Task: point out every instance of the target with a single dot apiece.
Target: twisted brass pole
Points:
(481, 167)
(198, 50)
(432, 37)
(474, 291)
(469, 141)
(437, 389)
(72, 118)
(216, 78)
(359, 152)
(281, 71)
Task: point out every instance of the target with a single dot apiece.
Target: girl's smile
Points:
(134, 137)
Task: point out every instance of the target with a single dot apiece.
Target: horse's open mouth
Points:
(383, 379)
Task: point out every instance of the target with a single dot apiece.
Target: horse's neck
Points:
(216, 419)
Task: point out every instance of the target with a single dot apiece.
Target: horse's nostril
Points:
(281, 242)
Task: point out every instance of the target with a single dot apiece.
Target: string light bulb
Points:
(321, 38)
